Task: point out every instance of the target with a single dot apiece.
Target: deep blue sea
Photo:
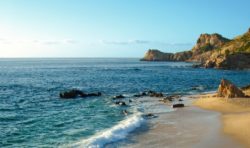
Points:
(33, 115)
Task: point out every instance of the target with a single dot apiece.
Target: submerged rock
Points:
(228, 90)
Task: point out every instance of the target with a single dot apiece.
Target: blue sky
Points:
(113, 28)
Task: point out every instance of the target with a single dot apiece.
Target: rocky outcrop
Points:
(233, 61)
(156, 55)
(228, 90)
(211, 51)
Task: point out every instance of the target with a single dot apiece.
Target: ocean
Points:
(33, 115)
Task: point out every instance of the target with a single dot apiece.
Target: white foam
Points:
(117, 132)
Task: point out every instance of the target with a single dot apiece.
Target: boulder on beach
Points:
(228, 90)
(178, 105)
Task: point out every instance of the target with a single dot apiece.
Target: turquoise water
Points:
(33, 115)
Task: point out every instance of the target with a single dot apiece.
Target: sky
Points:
(114, 28)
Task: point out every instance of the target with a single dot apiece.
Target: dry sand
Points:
(235, 115)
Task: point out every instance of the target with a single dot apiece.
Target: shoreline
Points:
(188, 127)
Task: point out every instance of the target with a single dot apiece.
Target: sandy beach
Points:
(188, 127)
(235, 115)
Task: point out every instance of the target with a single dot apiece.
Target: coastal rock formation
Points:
(233, 61)
(229, 90)
(211, 51)
(156, 55)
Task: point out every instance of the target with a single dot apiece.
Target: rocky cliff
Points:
(212, 51)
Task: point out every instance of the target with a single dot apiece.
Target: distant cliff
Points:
(212, 51)
(156, 55)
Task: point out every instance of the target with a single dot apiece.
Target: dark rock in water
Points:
(171, 98)
(149, 93)
(149, 115)
(118, 97)
(228, 90)
(180, 100)
(178, 105)
(156, 95)
(140, 94)
(121, 103)
(130, 100)
(71, 94)
(196, 65)
(137, 69)
(137, 95)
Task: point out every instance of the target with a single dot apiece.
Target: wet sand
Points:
(189, 127)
